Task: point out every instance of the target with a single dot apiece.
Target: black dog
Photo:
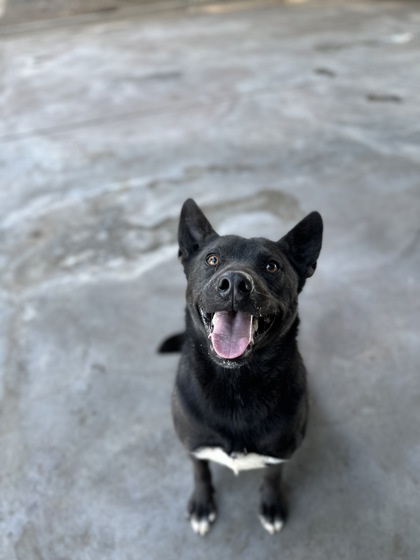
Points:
(240, 395)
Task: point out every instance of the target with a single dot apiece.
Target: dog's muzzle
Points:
(234, 333)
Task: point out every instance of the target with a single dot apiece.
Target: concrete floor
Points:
(262, 113)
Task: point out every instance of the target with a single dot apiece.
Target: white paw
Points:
(202, 526)
(272, 526)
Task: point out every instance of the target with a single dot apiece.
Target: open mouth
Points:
(233, 333)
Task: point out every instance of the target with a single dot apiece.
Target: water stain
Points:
(384, 98)
(325, 72)
(170, 75)
(194, 172)
(338, 46)
(399, 548)
(27, 547)
(284, 205)
(112, 233)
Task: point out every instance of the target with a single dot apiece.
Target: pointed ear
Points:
(303, 244)
(194, 228)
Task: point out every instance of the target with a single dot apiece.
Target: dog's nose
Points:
(236, 284)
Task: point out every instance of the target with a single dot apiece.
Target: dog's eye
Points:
(212, 260)
(272, 267)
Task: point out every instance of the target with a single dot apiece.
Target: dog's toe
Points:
(272, 525)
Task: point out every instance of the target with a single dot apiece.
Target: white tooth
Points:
(255, 325)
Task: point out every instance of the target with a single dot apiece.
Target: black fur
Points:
(257, 402)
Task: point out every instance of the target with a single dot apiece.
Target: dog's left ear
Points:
(303, 244)
(194, 229)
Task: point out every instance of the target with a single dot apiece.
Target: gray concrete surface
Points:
(262, 113)
(14, 12)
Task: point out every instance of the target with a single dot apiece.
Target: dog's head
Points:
(241, 292)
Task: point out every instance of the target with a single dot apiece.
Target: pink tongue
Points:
(231, 334)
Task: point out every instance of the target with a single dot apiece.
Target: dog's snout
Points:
(237, 284)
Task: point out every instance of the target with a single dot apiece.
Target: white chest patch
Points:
(236, 461)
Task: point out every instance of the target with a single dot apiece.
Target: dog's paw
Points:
(201, 516)
(272, 517)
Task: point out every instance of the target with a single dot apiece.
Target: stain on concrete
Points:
(384, 98)
(27, 548)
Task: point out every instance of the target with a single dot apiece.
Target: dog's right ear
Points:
(194, 229)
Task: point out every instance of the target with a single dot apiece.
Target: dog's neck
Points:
(253, 391)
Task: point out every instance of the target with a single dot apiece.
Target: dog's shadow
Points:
(322, 447)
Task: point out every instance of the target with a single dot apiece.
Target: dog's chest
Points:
(236, 461)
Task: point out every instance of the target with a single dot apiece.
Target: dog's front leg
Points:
(201, 507)
(273, 507)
